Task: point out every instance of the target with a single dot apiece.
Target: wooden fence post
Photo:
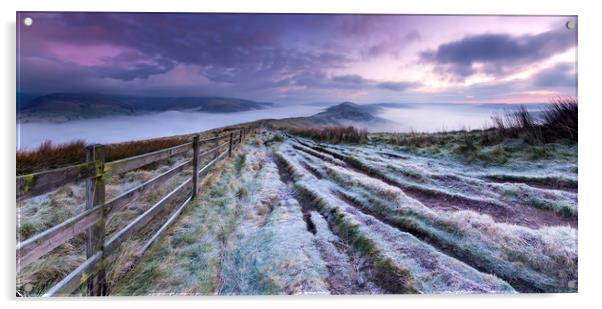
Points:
(239, 139)
(216, 135)
(230, 146)
(95, 195)
(195, 165)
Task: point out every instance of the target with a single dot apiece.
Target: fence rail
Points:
(97, 212)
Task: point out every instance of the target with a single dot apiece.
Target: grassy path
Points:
(248, 234)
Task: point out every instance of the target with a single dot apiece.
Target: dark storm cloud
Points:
(397, 86)
(497, 54)
(312, 79)
(228, 48)
(561, 75)
(111, 68)
(348, 81)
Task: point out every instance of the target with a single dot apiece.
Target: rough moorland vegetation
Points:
(550, 134)
(333, 135)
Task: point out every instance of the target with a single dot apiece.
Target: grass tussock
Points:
(561, 118)
(558, 121)
(334, 135)
(550, 134)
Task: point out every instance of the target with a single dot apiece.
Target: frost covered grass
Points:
(287, 215)
(449, 180)
(235, 243)
(543, 259)
(562, 203)
(478, 147)
(186, 260)
(400, 262)
(42, 212)
(271, 251)
(558, 182)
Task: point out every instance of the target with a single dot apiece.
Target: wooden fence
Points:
(97, 211)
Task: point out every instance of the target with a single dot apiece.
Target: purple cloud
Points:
(561, 75)
(202, 39)
(497, 54)
(397, 86)
(273, 56)
(391, 45)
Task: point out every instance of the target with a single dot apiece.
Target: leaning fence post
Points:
(195, 165)
(95, 195)
(230, 146)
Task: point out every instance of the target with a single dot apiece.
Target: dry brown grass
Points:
(49, 156)
(333, 134)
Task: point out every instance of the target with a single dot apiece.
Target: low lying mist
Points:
(443, 117)
(125, 128)
(414, 117)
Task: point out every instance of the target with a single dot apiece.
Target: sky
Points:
(296, 58)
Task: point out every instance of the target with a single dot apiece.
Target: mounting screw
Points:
(570, 25)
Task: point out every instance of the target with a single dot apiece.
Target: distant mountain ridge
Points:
(71, 106)
(343, 114)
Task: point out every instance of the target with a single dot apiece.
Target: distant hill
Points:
(71, 106)
(345, 111)
(344, 114)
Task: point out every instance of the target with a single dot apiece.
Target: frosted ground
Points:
(289, 216)
(42, 212)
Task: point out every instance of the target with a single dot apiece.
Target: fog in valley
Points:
(125, 128)
(412, 117)
(446, 117)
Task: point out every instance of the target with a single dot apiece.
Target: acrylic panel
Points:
(270, 154)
